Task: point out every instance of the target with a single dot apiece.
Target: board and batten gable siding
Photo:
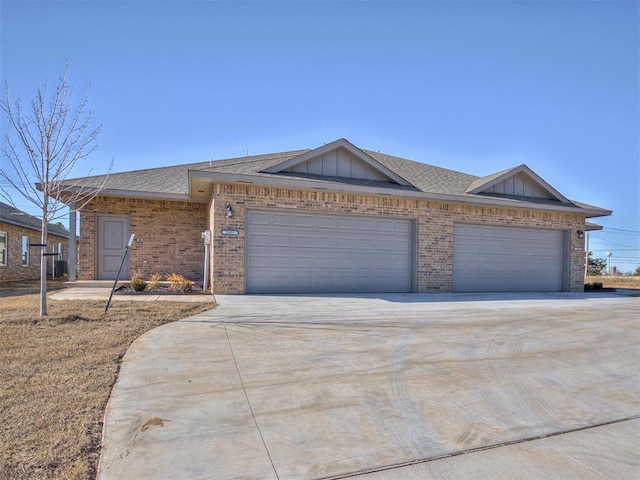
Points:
(434, 222)
(337, 163)
(167, 236)
(519, 185)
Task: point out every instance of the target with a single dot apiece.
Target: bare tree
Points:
(42, 146)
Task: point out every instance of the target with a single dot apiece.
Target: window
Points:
(25, 251)
(60, 251)
(3, 249)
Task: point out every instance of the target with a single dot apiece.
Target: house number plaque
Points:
(230, 232)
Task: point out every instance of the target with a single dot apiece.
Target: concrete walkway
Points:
(383, 387)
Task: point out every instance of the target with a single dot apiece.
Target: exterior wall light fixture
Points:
(580, 234)
(229, 212)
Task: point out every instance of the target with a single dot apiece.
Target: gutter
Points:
(403, 193)
(319, 185)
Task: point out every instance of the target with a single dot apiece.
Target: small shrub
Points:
(597, 285)
(154, 281)
(178, 283)
(138, 283)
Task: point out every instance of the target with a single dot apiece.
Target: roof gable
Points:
(339, 159)
(375, 174)
(521, 182)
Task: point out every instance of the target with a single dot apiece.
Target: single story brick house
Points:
(20, 261)
(336, 219)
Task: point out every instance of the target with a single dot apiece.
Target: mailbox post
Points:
(124, 259)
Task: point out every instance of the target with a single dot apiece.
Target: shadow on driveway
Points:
(466, 297)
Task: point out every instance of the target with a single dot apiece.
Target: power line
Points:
(624, 259)
(616, 255)
(621, 230)
(610, 241)
(633, 234)
(618, 250)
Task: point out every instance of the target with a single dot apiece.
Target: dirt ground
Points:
(615, 281)
(56, 375)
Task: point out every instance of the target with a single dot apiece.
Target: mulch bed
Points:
(159, 291)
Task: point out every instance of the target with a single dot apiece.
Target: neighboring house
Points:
(18, 259)
(337, 219)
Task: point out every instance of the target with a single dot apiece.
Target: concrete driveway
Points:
(381, 387)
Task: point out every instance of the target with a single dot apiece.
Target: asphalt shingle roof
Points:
(423, 177)
(174, 180)
(426, 178)
(482, 180)
(13, 216)
(168, 180)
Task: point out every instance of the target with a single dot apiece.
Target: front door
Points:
(113, 234)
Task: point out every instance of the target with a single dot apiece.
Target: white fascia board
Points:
(355, 151)
(311, 184)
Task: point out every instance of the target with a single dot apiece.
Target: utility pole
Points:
(586, 253)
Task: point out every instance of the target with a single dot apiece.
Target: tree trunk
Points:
(43, 260)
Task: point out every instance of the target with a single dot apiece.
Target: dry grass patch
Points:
(615, 281)
(56, 376)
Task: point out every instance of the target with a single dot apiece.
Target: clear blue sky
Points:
(472, 86)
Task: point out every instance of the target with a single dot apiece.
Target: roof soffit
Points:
(397, 191)
(507, 181)
(590, 226)
(369, 168)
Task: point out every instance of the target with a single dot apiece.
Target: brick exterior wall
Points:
(168, 233)
(167, 236)
(14, 270)
(434, 222)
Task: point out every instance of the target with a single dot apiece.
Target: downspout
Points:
(206, 237)
(586, 253)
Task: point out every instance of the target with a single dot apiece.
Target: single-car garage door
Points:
(497, 259)
(318, 253)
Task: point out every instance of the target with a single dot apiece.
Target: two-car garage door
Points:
(502, 259)
(300, 252)
(292, 252)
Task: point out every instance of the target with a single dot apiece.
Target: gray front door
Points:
(113, 234)
(294, 252)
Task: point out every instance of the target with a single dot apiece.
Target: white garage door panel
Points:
(501, 259)
(306, 253)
